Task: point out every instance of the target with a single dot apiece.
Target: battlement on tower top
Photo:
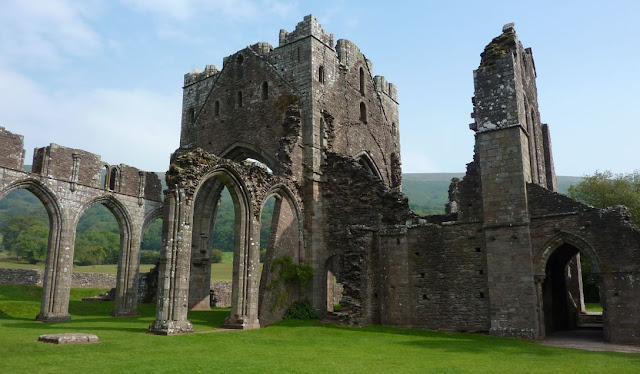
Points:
(308, 27)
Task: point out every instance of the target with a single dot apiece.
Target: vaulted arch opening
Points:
(24, 229)
(563, 290)
(208, 214)
(241, 151)
(281, 241)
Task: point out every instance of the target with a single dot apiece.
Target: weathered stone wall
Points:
(12, 155)
(35, 277)
(606, 239)
(448, 273)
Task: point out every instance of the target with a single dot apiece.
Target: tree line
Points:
(24, 231)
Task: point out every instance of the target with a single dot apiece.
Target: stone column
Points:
(173, 276)
(126, 298)
(245, 286)
(57, 273)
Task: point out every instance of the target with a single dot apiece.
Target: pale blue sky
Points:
(106, 76)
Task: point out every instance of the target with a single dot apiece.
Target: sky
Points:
(106, 75)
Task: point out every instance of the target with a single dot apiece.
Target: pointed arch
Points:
(564, 237)
(365, 160)
(240, 151)
(51, 294)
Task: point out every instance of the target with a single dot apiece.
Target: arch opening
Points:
(98, 237)
(151, 243)
(563, 292)
(281, 241)
(334, 288)
(245, 252)
(241, 151)
(24, 229)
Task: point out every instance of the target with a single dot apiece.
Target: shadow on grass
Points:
(473, 343)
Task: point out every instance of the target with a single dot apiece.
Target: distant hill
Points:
(429, 192)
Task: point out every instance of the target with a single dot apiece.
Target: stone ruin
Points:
(309, 123)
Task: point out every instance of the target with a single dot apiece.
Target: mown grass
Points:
(593, 307)
(288, 346)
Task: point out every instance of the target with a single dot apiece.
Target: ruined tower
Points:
(289, 108)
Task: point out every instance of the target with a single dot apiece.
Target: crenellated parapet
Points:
(309, 27)
(384, 87)
(197, 76)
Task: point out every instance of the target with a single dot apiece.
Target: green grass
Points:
(593, 307)
(289, 346)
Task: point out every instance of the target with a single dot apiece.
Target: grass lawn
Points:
(593, 307)
(285, 347)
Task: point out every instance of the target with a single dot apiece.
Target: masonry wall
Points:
(35, 277)
(606, 239)
(12, 155)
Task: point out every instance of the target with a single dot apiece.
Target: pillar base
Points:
(241, 323)
(52, 317)
(161, 327)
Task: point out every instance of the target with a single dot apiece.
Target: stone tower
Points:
(287, 107)
(511, 151)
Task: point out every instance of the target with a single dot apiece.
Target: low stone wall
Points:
(220, 291)
(34, 277)
(220, 294)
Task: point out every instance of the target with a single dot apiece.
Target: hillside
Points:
(429, 192)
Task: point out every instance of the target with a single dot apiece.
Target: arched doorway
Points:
(283, 245)
(117, 245)
(244, 286)
(562, 293)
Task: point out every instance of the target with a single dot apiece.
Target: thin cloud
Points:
(135, 127)
(45, 33)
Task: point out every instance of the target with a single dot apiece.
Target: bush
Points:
(216, 256)
(301, 310)
(149, 256)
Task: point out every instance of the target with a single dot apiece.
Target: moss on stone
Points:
(498, 47)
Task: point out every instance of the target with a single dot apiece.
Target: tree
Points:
(26, 237)
(605, 189)
(216, 256)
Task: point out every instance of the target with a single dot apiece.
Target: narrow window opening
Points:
(239, 99)
(192, 114)
(112, 179)
(321, 74)
(394, 128)
(363, 112)
(216, 108)
(362, 81)
(103, 177)
(265, 90)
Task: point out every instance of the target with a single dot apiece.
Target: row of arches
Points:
(190, 269)
(62, 236)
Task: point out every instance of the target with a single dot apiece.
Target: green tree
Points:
(95, 247)
(216, 256)
(31, 243)
(26, 237)
(605, 189)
